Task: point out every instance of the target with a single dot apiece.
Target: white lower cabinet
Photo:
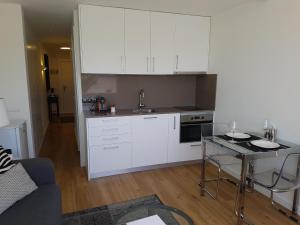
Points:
(187, 152)
(111, 157)
(178, 152)
(109, 144)
(150, 140)
(129, 142)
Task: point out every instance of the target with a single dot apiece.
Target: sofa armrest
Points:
(41, 170)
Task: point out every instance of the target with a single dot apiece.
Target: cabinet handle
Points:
(111, 129)
(149, 118)
(124, 64)
(110, 148)
(110, 139)
(153, 64)
(122, 68)
(177, 59)
(147, 64)
(110, 120)
(195, 145)
(174, 122)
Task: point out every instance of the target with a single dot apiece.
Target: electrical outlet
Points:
(89, 100)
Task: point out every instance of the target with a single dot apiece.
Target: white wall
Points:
(37, 87)
(79, 116)
(13, 74)
(255, 50)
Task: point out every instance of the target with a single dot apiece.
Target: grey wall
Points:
(160, 91)
(206, 91)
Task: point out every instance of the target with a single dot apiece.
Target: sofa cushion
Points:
(42, 207)
(15, 184)
(5, 160)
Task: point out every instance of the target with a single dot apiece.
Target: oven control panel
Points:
(201, 117)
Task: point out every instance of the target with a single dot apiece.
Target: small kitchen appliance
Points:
(195, 124)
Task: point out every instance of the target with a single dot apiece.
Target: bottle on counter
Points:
(113, 109)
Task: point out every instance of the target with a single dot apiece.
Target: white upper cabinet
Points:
(191, 43)
(125, 41)
(162, 43)
(101, 39)
(137, 41)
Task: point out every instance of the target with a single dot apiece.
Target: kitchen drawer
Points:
(109, 139)
(185, 152)
(192, 151)
(110, 157)
(108, 122)
(108, 130)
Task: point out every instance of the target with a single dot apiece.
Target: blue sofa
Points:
(41, 207)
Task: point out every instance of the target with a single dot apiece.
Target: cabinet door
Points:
(137, 41)
(174, 139)
(162, 43)
(101, 39)
(191, 43)
(150, 140)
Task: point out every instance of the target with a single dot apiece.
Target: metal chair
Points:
(284, 179)
(221, 158)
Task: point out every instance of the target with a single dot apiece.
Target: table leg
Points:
(202, 182)
(251, 174)
(242, 192)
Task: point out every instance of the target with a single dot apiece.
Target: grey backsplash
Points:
(160, 91)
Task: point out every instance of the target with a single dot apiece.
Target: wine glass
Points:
(233, 131)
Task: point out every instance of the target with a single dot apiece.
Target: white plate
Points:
(238, 135)
(265, 144)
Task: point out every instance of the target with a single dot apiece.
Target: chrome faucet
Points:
(141, 99)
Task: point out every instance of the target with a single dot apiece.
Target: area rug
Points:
(108, 214)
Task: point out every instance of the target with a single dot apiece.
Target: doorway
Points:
(66, 88)
(61, 94)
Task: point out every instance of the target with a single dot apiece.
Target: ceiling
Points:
(51, 19)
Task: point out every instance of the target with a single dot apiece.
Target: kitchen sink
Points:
(144, 110)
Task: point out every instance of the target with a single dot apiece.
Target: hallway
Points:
(176, 186)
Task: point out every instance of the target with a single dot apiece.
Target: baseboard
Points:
(139, 169)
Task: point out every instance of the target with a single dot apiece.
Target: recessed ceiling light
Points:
(65, 48)
(30, 46)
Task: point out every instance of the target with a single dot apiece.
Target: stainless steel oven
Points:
(195, 125)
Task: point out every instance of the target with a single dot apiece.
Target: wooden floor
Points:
(177, 186)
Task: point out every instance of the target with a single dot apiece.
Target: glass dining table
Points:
(247, 154)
